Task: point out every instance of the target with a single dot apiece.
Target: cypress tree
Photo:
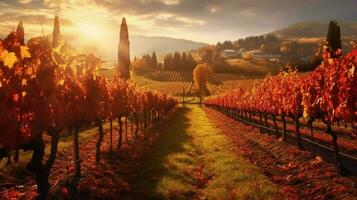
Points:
(20, 30)
(334, 37)
(176, 61)
(164, 67)
(124, 51)
(191, 63)
(169, 62)
(183, 63)
(56, 34)
(154, 60)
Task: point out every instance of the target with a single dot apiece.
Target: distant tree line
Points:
(179, 62)
(212, 56)
(151, 60)
(225, 45)
(146, 62)
(267, 43)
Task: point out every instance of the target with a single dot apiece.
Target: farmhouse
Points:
(228, 53)
(260, 55)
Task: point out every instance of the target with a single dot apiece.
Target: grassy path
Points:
(193, 160)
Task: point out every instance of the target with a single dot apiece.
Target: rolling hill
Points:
(139, 45)
(316, 29)
(146, 45)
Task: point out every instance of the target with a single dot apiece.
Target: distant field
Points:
(175, 83)
(252, 68)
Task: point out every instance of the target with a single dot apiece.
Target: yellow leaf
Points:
(57, 49)
(24, 82)
(351, 71)
(25, 52)
(330, 61)
(305, 113)
(24, 93)
(61, 82)
(8, 58)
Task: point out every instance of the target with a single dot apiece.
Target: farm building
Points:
(229, 53)
(260, 55)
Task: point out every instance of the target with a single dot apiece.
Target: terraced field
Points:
(175, 83)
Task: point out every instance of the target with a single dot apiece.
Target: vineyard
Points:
(46, 90)
(58, 107)
(73, 126)
(328, 94)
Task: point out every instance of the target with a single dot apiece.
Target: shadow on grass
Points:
(143, 162)
(154, 167)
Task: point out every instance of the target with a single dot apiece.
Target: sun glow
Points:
(92, 30)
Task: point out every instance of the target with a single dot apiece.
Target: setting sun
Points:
(91, 30)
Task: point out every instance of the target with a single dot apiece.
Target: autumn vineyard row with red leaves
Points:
(328, 94)
(46, 88)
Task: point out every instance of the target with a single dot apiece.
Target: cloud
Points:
(248, 13)
(198, 19)
(169, 20)
(33, 18)
(22, 4)
(171, 2)
(24, 1)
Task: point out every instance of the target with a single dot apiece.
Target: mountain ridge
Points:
(161, 44)
(315, 29)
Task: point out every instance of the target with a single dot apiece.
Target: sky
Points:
(207, 21)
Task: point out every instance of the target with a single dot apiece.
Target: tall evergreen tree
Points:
(20, 30)
(164, 65)
(191, 63)
(171, 62)
(168, 62)
(124, 51)
(56, 34)
(154, 60)
(183, 63)
(176, 61)
(334, 37)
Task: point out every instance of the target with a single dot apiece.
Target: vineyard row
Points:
(47, 88)
(329, 94)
